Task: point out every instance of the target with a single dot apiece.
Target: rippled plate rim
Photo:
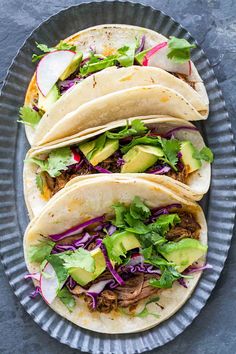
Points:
(86, 340)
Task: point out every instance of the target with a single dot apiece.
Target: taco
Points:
(116, 254)
(86, 68)
(165, 150)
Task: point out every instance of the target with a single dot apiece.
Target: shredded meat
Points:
(106, 301)
(110, 164)
(59, 182)
(185, 79)
(188, 227)
(136, 289)
(68, 240)
(180, 176)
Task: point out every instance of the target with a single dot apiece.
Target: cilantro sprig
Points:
(123, 57)
(57, 161)
(179, 50)
(45, 49)
(38, 253)
(29, 116)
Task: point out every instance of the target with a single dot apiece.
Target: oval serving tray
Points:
(219, 204)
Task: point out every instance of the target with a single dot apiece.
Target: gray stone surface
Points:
(213, 24)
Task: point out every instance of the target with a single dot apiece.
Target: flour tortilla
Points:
(106, 39)
(136, 101)
(198, 182)
(94, 197)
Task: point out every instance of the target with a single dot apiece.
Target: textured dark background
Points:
(213, 24)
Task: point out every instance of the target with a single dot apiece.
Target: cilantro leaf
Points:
(179, 49)
(135, 226)
(145, 140)
(137, 127)
(65, 46)
(96, 64)
(57, 262)
(120, 211)
(57, 161)
(40, 251)
(126, 57)
(138, 210)
(40, 183)
(204, 154)
(43, 164)
(80, 258)
(67, 298)
(29, 116)
(147, 252)
(169, 275)
(164, 222)
(171, 148)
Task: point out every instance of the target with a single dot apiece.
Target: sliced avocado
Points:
(124, 241)
(82, 276)
(109, 148)
(139, 57)
(183, 253)
(187, 150)
(45, 103)
(72, 66)
(87, 147)
(140, 157)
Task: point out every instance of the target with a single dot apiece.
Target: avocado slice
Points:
(72, 66)
(45, 103)
(123, 242)
(187, 150)
(140, 157)
(82, 276)
(140, 56)
(183, 253)
(109, 148)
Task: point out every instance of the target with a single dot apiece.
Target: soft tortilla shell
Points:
(95, 197)
(198, 181)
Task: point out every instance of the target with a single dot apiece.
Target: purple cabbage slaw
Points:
(174, 130)
(67, 84)
(159, 170)
(163, 210)
(141, 46)
(141, 268)
(75, 229)
(110, 266)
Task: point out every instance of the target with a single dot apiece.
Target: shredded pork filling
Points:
(137, 285)
(110, 164)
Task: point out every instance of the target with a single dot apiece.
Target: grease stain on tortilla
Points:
(127, 77)
(164, 99)
(108, 51)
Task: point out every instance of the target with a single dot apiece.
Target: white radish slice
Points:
(49, 284)
(50, 68)
(157, 57)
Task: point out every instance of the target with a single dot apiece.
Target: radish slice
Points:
(50, 68)
(157, 56)
(35, 276)
(49, 284)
